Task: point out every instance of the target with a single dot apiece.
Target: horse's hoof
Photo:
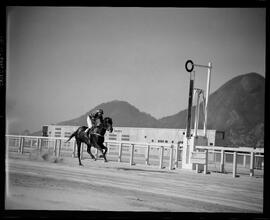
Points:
(81, 165)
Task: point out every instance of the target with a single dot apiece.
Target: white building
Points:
(147, 135)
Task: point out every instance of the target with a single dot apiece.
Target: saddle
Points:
(92, 130)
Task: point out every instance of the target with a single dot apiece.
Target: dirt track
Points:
(116, 186)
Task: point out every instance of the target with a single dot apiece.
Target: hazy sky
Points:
(63, 61)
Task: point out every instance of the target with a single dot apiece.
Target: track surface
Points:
(112, 186)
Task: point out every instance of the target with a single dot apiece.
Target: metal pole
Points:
(197, 112)
(190, 97)
(207, 96)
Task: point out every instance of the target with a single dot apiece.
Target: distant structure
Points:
(146, 135)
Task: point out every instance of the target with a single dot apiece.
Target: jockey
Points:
(92, 119)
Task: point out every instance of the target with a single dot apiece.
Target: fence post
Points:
(131, 155)
(244, 160)
(74, 149)
(205, 168)
(171, 158)
(234, 164)
(38, 146)
(147, 155)
(161, 157)
(176, 156)
(59, 149)
(120, 152)
(251, 169)
(222, 161)
(196, 165)
(54, 148)
(21, 145)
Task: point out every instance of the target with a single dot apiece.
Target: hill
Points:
(122, 113)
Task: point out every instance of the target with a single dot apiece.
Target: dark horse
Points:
(94, 138)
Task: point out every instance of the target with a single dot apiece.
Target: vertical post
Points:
(171, 158)
(190, 98)
(205, 168)
(197, 112)
(120, 152)
(59, 148)
(147, 155)
(234, 164)
(161, 157)
(19, 148)
(251, 169)
(222, 161)
(196, 164)
(38, 144)
(54, 147)
(207, 95)
(244, 160)
(131, 155)
(21, 144)
(40, 147)
(74, 149)
(176, 156)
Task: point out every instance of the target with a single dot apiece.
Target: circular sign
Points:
(189, 63)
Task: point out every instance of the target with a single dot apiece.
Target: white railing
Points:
(58, 145)
(23, 144)
(241, 151)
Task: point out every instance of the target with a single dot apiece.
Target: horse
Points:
(93, 138)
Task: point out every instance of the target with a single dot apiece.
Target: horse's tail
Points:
(71, 136)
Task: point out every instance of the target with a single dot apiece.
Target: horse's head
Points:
(108, 124)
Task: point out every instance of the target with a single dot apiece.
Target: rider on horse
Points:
(92, 119)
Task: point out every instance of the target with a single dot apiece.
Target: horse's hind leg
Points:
(89, 151)
(104, 153)
(79, 152)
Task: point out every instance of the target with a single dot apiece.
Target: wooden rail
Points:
(57, 145)
(235, 151)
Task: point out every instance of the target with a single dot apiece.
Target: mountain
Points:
(237, 108)
(122, 113)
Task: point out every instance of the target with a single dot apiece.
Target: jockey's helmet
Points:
(100, 111)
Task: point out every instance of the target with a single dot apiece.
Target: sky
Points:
(64, 61)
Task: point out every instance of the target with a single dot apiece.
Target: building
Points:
(146, 135)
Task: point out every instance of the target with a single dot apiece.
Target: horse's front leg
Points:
(89, 152)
